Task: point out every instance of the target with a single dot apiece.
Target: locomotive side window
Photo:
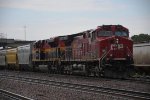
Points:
(121, 33)
(104, 33)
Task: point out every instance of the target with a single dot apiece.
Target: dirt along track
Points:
(120, 84)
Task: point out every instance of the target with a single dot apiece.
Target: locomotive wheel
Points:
(97, 72)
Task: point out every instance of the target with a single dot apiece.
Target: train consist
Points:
(105, 51)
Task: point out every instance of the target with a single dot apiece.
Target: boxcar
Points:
(2, 59)
(11, 58)
(24, 56)
(141, 54)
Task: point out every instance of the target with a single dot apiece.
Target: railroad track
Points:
(13, 96)
(137, 80)
(84, 87)
(132, 79)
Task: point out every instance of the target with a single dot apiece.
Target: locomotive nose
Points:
(114, 40)
(116, 44)
(117, 49)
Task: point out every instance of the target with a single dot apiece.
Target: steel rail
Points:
(84, 87)
(13, 96)
(138, 80)
(132, 79)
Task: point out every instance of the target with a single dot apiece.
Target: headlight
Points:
(110, 55)
(117, 41)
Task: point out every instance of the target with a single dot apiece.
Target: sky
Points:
(44, 19)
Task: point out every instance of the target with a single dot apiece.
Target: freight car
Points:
(2, 59)
(11, 58)
(105, 51)
(141, 54)
(24, 57)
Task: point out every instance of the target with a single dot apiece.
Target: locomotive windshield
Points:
(104, 33)
(63, 38)
(121, 33)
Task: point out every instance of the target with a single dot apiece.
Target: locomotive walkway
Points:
(83, 87)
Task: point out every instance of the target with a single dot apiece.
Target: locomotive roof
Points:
(110, 26)
(72, 36)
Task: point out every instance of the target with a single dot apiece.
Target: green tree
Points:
(141, 38)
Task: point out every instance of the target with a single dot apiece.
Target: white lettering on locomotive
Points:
(116, 46)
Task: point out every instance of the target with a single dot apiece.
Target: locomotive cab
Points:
(115, 51)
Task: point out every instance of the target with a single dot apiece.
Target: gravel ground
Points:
(2, 97)
(90, 81)
(44, 92)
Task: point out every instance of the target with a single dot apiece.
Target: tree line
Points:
(141, 38)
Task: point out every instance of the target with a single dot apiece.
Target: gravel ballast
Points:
(121, 84)
(45, 92)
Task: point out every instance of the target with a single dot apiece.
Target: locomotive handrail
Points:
(105, 54)
(101, 59)
(129, 51)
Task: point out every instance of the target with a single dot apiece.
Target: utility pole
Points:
(25, 32)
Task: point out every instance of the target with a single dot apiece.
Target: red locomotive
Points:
(106, 51)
